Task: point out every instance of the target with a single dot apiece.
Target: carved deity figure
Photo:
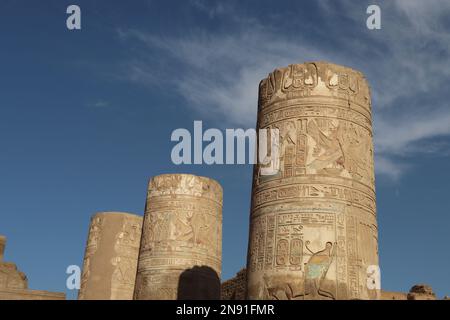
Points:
(316, 270)
(182, 230)
(328, 151)
(324, 182)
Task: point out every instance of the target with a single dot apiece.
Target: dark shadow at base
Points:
(199, 283)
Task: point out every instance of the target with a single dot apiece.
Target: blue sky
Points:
(86, 116)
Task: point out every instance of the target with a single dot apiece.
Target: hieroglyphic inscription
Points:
(110, 261)
(320, 111)
(281, 237)
(313, 224)
(182, 229)
(350, 195)
(352, 256)
(91, 247)
(321, 145)
(341, 256)
(314, 80)
(125, 261)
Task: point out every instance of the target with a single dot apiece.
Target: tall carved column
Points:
(313, 230)
(110, 260)
(181, 246)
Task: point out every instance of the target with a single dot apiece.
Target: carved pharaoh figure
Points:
(313, 228)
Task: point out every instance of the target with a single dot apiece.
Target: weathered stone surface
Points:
(110, 260)
(181, 248)
(313, 230)
(234, 288)
(391, 295)
(421, 292)
(14, 283)
(25, 294)
(2, 247)
(10, 276)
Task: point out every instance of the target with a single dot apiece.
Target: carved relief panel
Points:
(110, 261)
(313, 224)
(182, 231)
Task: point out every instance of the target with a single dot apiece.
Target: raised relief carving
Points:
(182, 230)
(324, 146)
(315, 79)
(110, 261)
(296, 252)
(324, 191)
(94, 235)
(316, 270)
(327, 152)
(282, 252)
(298, 79)
(170, 184)
(124, 271)
(345, 81)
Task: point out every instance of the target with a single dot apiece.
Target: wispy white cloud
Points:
(99, 104)
(406, 63)
(210, 8)
(220, 75)
(390, 167)
(398, 135)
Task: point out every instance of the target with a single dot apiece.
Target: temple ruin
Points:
(14, 283)
(313, 228)
(235, 289)
(110, 260)
(181, 248)
(313, 231)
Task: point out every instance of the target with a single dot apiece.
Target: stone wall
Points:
(14, 283)
(234, 288)
(25, 294)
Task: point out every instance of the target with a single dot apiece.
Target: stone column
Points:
(2, 247)
(181, 247)
(313, 230)
(110, 260)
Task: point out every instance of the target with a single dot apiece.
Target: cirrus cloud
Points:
(405, 62)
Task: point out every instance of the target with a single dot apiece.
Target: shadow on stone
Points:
(199, 283)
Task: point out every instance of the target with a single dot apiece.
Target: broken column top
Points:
(185, 184)
(2, 246)
(318, 79)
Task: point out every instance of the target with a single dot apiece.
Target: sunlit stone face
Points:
(313, 230)
(110, 260)
(181, 249)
